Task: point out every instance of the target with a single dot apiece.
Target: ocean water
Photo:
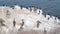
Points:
(51, 7)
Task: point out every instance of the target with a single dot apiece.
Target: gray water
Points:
(49, 6)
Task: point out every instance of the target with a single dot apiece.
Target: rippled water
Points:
(49, 6)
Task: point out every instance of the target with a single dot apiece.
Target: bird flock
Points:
(13, 19)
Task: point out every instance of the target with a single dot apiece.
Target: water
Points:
(49, 6)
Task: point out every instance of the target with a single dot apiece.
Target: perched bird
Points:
(22, 23)
(38, 23)
(14, 22)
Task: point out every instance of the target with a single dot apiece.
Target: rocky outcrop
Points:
(26, 19)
